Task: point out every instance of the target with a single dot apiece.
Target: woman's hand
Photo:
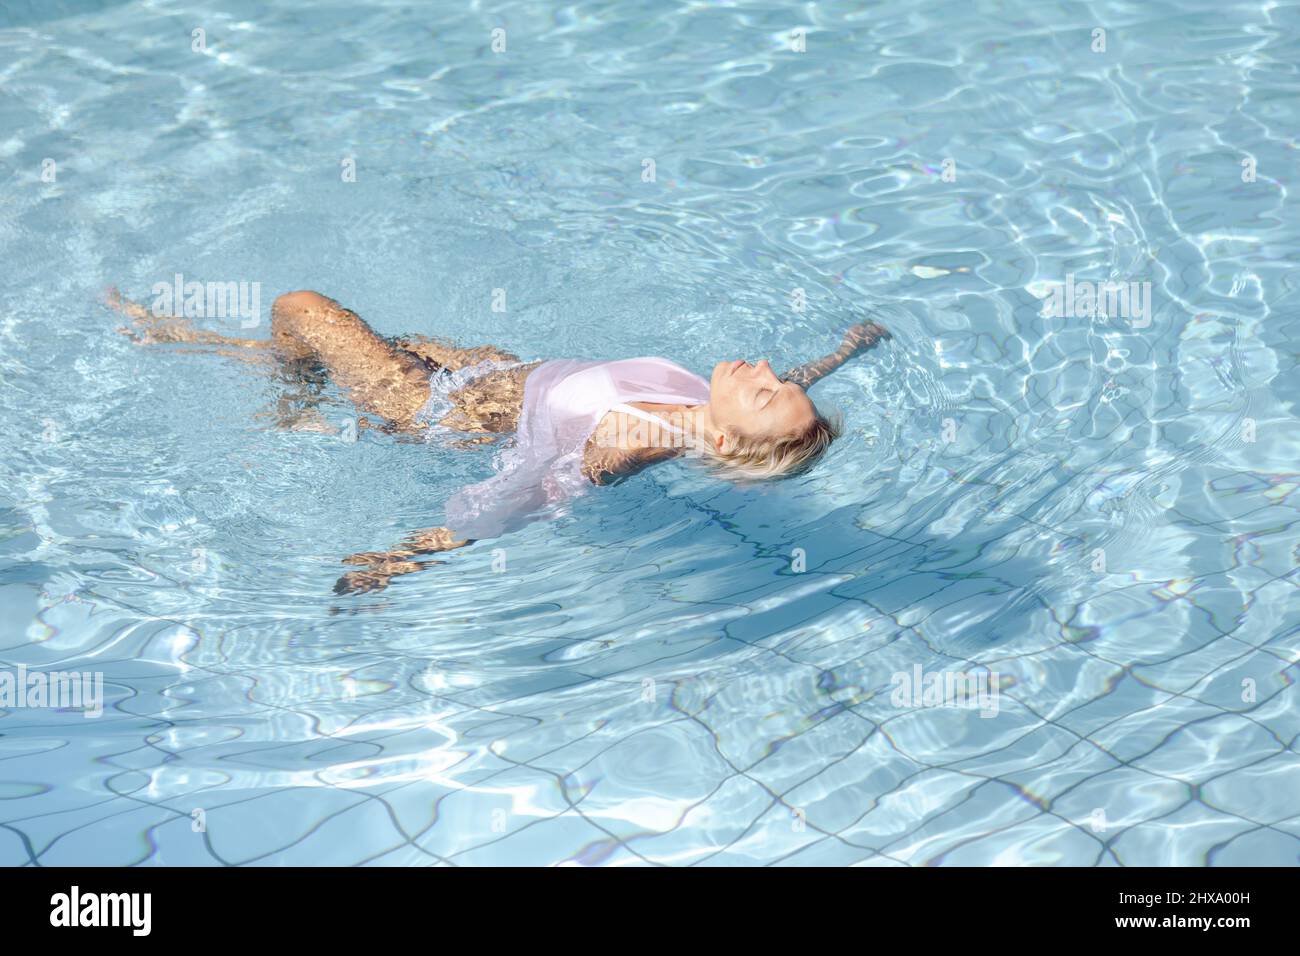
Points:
(857, 339)
(360, 582)
(380, 567)
(864, 335)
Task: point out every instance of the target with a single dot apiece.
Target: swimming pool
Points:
(1092, 517)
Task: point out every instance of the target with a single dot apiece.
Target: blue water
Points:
(1101, 513)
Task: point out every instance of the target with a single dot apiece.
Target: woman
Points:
(576, 423)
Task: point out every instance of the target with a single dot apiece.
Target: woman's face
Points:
(749, 400)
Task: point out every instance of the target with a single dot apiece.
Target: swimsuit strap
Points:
(647, 417)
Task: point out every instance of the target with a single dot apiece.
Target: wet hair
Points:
(784, 457)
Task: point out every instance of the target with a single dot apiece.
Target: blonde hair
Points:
(759, 458)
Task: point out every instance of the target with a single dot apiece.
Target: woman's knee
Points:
(290, 314)
(293, 304)
(291, 311)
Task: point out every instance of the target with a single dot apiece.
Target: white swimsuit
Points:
(564, 401)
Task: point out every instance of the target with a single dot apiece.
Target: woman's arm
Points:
(857, 339)
(608, 466)
(382, 566)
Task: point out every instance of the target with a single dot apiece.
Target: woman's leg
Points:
(312, 332)
(304, 380)
(149, 329)
(435, 352)
(379, 378)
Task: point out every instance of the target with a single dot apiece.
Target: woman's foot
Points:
(149, 329)
(145, 328)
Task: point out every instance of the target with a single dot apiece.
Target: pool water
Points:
(1095, 515)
